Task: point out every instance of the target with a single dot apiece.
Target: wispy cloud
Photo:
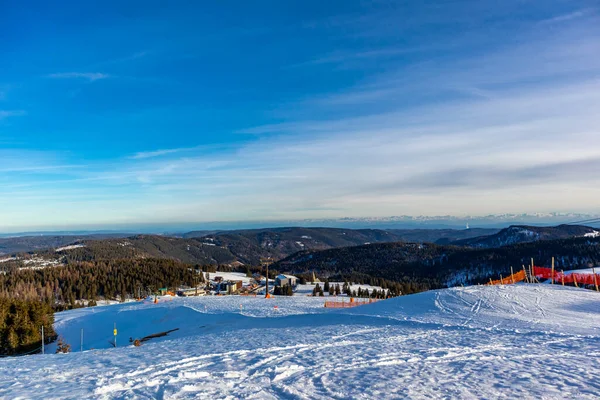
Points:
(569, 16)
(155, 153)
(346, 56)
(505, 126)
(165, 152)
(90, 76)
(11, 113)
(467, 157)
(114, 61)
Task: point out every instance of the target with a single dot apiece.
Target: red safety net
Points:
(574, 277)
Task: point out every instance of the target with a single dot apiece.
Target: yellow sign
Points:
(115, 332)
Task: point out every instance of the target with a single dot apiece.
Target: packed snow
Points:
(513, 341)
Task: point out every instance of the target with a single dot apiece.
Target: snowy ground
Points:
(514, 341)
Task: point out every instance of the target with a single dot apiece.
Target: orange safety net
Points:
(514, 278)
(347, 304)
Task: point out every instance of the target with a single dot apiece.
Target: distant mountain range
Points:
(524, 234)
(493, 221)
(246, 246)
(249, 246)
(408, 256)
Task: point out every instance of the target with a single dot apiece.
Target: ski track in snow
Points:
(518, 341)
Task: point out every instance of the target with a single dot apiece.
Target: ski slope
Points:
(514, 341)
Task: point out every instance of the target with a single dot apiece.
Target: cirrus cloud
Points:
(90, 76)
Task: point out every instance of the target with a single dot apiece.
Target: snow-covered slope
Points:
(528, 341)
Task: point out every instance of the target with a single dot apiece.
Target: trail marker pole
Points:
(43, 351)
(115, 334)
(553, 270)
(512, 275)
(562, 275)
(501, 280)
(81, 342)
(265, 263)
(525, 272)
(575, 280)
(595, 278)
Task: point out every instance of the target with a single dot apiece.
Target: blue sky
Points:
(151, 112)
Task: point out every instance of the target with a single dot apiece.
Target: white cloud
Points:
(155, 153)
(569, 16)
(11, 113)
(90, 76)
(526, 150)
(513, 129)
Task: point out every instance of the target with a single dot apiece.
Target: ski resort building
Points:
(282, 280)
(189, 291)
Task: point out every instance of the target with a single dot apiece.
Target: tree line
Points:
(62, 286)
(20, 325)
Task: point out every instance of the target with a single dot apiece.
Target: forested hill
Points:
(441, 265)
(440, 236)
(247, 247)
(334, 237)
(191, 251)
(19, 244)
(281, 242)
(522, 233)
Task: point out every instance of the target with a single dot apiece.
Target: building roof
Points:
(283, 276)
